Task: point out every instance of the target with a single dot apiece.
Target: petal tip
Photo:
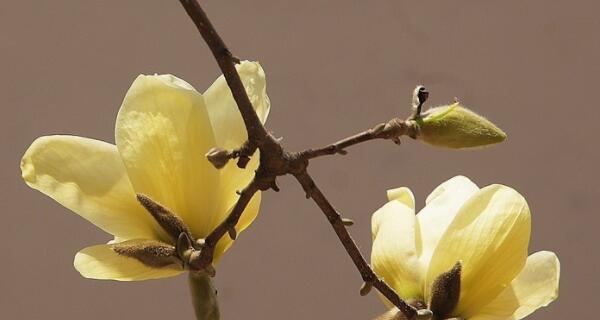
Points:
(402, 194)
(455, 185)
(28, 172)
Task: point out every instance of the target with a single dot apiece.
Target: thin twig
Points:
(275, 161)
(361, 264)
(226, 61)
(392, 130)
(207, 252)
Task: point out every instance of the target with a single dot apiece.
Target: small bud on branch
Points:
(218, 157)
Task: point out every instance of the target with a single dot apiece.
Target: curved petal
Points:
(535, 287)
(441, 208)
(162, 133)
(101, 262)
(229, 128)
(396, 245)
(88, 177)
(490, 235)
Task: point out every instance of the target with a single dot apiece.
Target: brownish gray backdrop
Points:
(333, 68)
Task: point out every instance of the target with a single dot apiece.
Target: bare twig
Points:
(210, 242)
(367, 274)
(392, 130)
(275, 161)
(226, 61)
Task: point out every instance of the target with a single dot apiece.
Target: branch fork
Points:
(275, 161)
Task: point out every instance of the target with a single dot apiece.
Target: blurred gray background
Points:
(333, 68)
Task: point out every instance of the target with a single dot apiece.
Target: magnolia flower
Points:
(464, 255)
(162, 132)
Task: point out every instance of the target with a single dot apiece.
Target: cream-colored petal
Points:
(230, 131)
(441, 208)
(88, 177)
(162, 133)
(402, 194)
(101, 262)
(490, 236)
(396, 245)
(535, 287)
(246, 219)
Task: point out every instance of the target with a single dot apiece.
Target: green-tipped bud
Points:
(457, 127)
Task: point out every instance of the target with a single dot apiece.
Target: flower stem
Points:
(204, 297)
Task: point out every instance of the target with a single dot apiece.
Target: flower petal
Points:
(535, 287)
(102, 262)
(396, 245)
(227, 122)
(441, 208)
(162, 133)
(88, 177)
(490, 235)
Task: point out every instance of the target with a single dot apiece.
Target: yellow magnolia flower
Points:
(162, 132)
(467, 244)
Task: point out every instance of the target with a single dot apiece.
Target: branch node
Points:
(243, 161)
(275, 161)
(232, 233)
(366, 288)
(219, 157)
(347, 222)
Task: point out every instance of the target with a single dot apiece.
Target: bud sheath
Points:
(457, 127)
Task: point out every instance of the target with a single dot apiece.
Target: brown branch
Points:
(361, 264)
(275, 161)
(226, 61)
(227, 226)
(391, 130)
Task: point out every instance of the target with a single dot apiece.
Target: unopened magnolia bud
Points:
(457, 127)
(445, 292)
(168, 220)
(218, 157)
(151, 253)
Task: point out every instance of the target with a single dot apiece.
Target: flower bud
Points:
(151, 253)
(457, 127)
(218, 157)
